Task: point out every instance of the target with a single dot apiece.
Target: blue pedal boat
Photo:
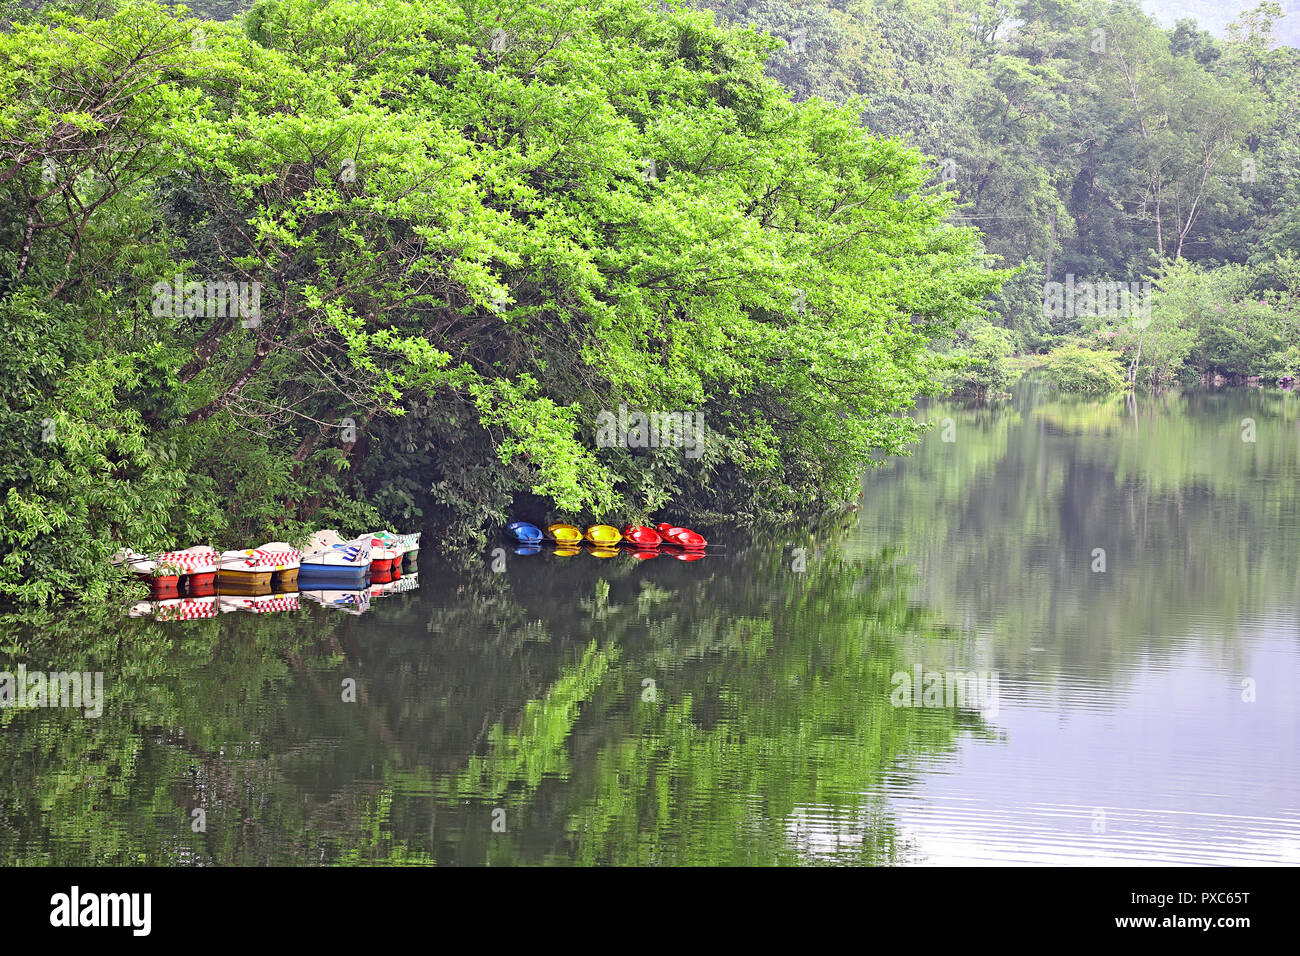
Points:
(524, 533)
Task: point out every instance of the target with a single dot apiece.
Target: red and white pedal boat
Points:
(385, 560)
(194, 569)
(198, 565)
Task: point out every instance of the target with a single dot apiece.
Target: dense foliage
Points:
(458, 235)
(1072, 368)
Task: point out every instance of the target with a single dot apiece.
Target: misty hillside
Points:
(1215, 15)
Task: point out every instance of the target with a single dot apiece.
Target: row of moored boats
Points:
(605, 540)
(330, 562)
(327, 561)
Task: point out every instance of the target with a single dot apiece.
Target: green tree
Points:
(505, 224)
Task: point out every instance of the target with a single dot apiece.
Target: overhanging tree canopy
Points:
(507, 218)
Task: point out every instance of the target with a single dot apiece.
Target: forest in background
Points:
(1093, 148)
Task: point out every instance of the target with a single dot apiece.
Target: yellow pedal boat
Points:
(604, 535)
(566, 535)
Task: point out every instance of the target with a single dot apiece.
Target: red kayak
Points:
(682, 537)
(642, 536)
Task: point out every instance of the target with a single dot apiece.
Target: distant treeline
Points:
(1090, 146)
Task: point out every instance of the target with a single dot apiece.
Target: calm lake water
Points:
(1119, 583)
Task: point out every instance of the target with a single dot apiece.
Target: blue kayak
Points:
(524, 533)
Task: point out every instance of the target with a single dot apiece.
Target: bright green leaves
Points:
(543, 437)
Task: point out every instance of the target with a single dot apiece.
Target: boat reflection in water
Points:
(259, 604)
(408, 582)
(177, 609)
(258, 597)
(350, 602)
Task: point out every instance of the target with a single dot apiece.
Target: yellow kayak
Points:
(564, 534)
(604, 535)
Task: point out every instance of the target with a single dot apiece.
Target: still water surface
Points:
(1125, 579)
